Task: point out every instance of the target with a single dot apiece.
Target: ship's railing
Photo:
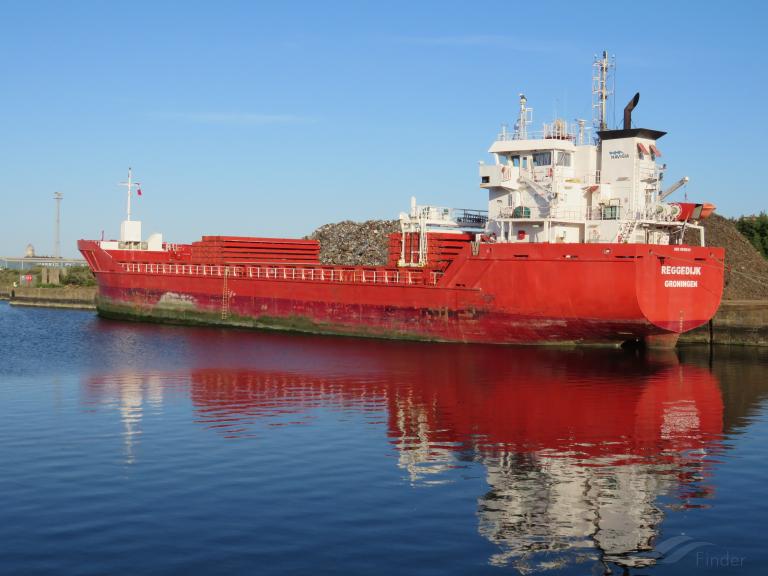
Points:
(434, 213)
(465, 217)
(535, 135)
(557, 130)
(566, 213)
(600, 213)
(577, 214)
(470, 218)
(292, 273)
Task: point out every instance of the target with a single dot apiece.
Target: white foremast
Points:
(129, 186)
(130, 230)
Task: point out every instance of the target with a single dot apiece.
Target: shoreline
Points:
(52, 304)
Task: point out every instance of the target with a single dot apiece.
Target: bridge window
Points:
(542, 158)
(563, 158)
(516, 161)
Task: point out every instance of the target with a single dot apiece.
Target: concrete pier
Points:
(739, 322)
(64, 297)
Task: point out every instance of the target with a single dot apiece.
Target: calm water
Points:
(139, 449)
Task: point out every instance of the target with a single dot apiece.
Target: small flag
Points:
(138, 191)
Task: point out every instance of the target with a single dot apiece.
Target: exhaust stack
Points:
(628, 110)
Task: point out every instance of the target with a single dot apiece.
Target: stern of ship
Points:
(679, 288)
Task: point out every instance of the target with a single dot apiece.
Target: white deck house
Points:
(553, 186)
(559, 185)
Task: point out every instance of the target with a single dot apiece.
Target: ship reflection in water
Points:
(584, 452)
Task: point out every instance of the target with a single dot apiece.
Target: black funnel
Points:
(628, 111)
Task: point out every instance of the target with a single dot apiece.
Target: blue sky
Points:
(268, 118)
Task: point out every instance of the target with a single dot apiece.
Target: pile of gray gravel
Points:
(747, 270)
(350, 243)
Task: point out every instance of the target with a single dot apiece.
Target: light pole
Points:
(57, 240)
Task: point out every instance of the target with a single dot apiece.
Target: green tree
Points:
(79, 276)
(755, 229)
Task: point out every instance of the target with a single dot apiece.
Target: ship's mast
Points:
(582, 129)
(601, 74)
(129, 186)
(523, 119)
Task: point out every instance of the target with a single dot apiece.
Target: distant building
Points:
(29, 252)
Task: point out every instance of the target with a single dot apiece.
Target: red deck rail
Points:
(292, 273)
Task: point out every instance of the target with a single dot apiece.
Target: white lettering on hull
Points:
(681, 270)
(681, 283)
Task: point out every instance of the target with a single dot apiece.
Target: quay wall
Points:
(63, 297)
(740, 322)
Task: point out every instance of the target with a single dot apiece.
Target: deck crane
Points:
(682, 182)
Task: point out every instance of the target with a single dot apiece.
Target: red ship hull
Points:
(523, 293)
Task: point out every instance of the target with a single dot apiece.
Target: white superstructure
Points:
(557, 184)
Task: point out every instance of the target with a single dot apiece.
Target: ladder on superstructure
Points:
(626, 230)
(537, 187)
(410, 228)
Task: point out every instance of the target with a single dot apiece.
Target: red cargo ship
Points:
(578, 246)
